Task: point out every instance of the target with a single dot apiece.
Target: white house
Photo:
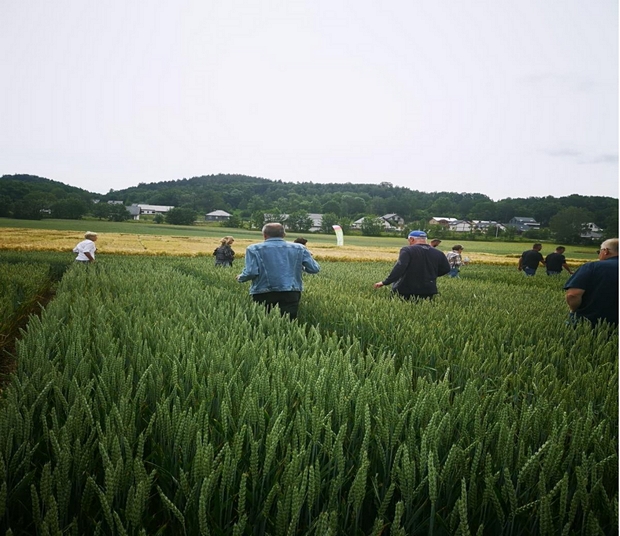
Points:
(317, 221)
(396, 222)
(154, 209)
(387, 226)
(276, 218)
(218, 215)
(484, 225)
(357, 224)
(592, 231)
(461, 226)
(443, 221)
(136, 209)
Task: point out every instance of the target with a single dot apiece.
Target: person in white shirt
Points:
(86, 248)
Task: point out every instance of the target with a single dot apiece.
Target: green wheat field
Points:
(151, 396)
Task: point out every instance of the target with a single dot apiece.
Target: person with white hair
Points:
(86, 248)
(592, 291)
(275, 269)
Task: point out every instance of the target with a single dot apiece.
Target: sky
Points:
(508, 98)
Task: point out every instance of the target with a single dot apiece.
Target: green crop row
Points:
(19, 284)
(24, 282)
(153, 397)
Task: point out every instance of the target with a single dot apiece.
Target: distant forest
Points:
(29, 196)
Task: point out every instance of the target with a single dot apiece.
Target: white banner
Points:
(339, 235)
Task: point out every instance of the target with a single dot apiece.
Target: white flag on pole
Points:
(339, 235)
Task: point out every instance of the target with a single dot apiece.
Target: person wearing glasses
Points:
(592, 291)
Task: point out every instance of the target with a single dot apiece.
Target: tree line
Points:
(31, 197)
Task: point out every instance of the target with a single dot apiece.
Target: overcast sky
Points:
(509, 98)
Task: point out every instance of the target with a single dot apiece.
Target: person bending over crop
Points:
(275, 268)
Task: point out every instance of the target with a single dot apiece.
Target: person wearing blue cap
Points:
(415, 273)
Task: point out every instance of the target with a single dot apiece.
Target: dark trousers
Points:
(288, 302)
(413, 297)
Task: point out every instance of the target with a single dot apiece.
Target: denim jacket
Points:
(276, 266)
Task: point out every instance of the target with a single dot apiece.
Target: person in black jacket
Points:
(224, 254)
(415, 274)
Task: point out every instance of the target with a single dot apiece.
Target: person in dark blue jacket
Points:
(415, 273)
(592, 291)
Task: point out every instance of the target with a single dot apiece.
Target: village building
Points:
(522, 224)
(217, 215)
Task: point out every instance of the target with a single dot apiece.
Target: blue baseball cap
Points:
(417, 234)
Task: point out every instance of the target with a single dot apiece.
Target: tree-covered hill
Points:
(249, 194)
(245, 195)
(29, 196)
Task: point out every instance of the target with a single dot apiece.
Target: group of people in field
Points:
(592, 290)
(275, 267)
(531, 259)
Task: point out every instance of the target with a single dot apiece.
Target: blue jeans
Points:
(454, 272)
(529, 271)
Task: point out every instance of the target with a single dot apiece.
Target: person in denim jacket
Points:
(275, 269)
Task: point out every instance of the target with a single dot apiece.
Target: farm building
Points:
(136, 209)
(218, 215)
(522, 224)
(592, 231)
(443, 221)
